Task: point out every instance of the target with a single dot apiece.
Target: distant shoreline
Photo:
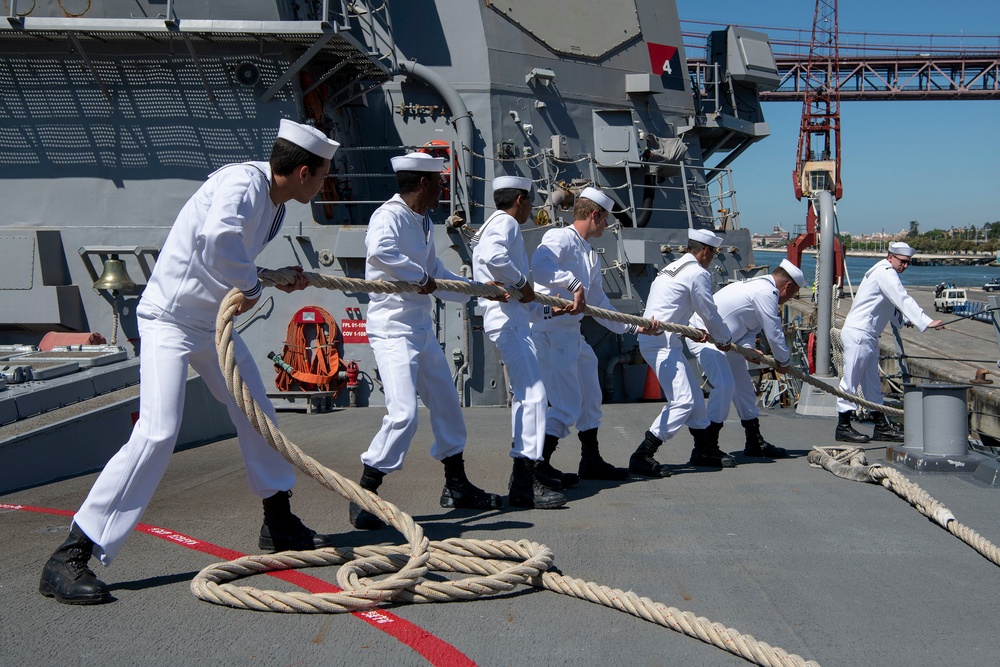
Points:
(869, 253)
(879, 255)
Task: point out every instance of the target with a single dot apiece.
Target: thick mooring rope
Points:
(851, 463)
(357, 285)
(496, 566)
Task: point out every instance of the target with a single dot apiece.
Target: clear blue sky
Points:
(937, 162)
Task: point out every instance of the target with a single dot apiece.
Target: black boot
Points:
(460, 492)
(885, 430)
(706, 452)
(66, 576)
(642, 461)
(361, 518)
(592, 466)
(846, 432)
(283, 531)
(713, 431)
(756, 445)
(527, 490)
(549, 474)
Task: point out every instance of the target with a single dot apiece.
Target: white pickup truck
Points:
(949, 298)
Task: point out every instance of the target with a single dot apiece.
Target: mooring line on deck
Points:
(437, 651)
(495, 566)
(969, 317)
(849, 462)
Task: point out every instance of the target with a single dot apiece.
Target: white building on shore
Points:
(777, 238)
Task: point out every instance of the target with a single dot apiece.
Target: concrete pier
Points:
(951, 356)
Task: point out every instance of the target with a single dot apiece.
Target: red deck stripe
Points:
(437, 651)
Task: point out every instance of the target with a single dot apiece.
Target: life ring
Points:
(441, 148)
(308, 367)
(811, 352)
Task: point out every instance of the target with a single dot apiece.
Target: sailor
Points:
(210, 250)
(682, 289)
(881, 299)
(499, 257)
(566, 266)
(400, 247)
(747, 308)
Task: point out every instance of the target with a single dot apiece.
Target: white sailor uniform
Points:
(210, 249)
(499, 256)
(747, 308)
(400, 247)
(561, 263)
(881, 299)
(681, 289)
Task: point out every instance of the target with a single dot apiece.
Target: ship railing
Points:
(705, 195)
(336, 15)
(708, 89)
(373, 23)
(381, 184)
(354, 40)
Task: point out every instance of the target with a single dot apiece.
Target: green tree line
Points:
(985, 239)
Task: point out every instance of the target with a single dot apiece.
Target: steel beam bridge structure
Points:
(918, 77)
(876, 66)
(880, 77)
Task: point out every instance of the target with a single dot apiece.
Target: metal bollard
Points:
(945, 419)
(913, 422)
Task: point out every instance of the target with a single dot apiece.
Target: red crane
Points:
(817, 165)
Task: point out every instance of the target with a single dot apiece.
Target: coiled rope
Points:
(495, 565)
(851, 463)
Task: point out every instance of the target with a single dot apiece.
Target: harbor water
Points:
(914, 276)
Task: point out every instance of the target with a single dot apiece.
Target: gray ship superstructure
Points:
(114, 113)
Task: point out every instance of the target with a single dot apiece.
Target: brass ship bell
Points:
(116, 280)
(114, 277)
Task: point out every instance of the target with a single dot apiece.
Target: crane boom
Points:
(817, 164)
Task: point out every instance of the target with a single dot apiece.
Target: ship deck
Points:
(840, 572)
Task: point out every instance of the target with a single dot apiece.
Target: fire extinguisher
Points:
(352, 382)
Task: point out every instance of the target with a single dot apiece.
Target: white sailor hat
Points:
(599, 198)
(901, 248)
(418, 162)
(511, 182)
(704, 236)
(308, 138)
(794, 272)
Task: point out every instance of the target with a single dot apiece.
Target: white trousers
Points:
(860, 367)
(409, 363)
(528, 408)
(685, 402)
(572, 385)
(125, 486)
(727, 373)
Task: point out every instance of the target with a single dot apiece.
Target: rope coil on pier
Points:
(495, 566)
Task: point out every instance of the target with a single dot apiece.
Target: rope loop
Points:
(851, 463)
